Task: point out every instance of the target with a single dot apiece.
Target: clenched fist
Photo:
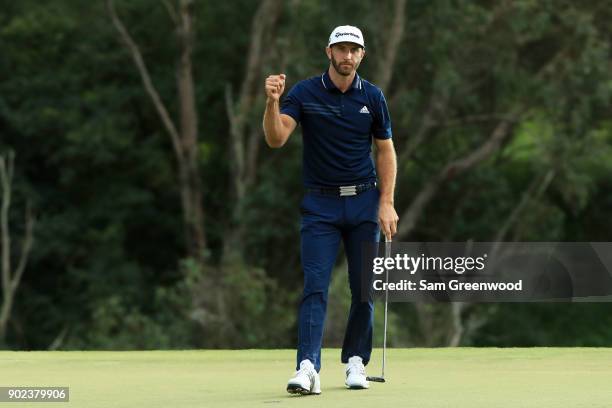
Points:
(275, 85)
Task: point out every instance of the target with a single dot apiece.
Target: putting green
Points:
(457, 377)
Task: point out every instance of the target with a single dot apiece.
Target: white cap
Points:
(346, 33)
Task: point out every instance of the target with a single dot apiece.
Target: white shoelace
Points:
(306, 370)
(302, 370)
(356, 367)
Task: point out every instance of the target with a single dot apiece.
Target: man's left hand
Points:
(387, 218)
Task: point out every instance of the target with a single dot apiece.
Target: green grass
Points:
(460, 377)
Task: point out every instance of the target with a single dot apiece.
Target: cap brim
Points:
(345, 41)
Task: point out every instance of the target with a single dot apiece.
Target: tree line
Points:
(141, 208)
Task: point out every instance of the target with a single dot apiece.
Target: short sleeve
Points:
(291, 104)
(381, 128)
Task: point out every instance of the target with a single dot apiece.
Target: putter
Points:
(382, 375)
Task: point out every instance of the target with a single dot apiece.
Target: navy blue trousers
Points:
(327, 220)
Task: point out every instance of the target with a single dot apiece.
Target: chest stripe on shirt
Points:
(321, 106)
(321, 109)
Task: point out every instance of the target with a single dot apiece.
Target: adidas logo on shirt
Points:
(364, 109)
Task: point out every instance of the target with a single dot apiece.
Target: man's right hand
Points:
(275, 85)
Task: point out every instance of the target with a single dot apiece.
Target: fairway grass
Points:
(449, 377)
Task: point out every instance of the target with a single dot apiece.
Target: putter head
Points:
(376, 379)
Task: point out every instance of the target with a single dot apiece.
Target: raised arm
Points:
(277, 126)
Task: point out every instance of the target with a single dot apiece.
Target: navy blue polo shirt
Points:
(337, 129)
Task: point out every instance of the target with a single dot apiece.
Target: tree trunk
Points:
(245, 140)
(450, 170)
(189, 134)
(395, 35)
(185, 142)
(11, 279)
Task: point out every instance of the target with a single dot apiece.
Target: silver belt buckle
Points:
(348, 191)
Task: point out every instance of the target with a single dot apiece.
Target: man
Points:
(340, 113)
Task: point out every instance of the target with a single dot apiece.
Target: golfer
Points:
(340, 114)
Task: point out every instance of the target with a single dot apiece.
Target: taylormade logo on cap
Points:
(346, 33)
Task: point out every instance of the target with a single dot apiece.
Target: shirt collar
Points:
(329, 84)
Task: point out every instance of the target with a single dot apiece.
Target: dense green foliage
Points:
(108, 267)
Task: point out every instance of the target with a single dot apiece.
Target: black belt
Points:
(343, 191)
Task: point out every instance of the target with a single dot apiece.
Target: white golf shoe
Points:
(356, 375)
(305, 380)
